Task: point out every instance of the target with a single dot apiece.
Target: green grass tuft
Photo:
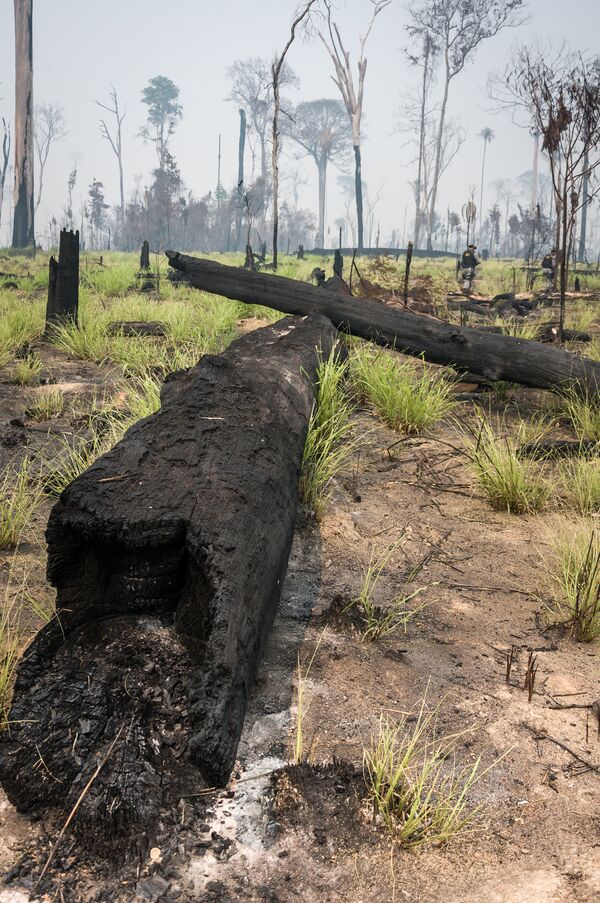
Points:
(509, 482)
(18, 501)
(408, 398)
(328, 444)
(418, 790)
(575, 574)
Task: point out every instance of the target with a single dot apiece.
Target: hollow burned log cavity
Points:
(496, 357)
(168, 556)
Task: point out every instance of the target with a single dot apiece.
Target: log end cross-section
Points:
(168, 556)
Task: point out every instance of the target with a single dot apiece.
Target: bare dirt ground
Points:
(282, 833)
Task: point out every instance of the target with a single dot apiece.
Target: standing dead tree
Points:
(4, 160)
(49, 127)
(276, 71)
(23, 220)
(353, 98)
(457, 27)
(425, 60)
(565, 100)
(115, 138)
(320, 129)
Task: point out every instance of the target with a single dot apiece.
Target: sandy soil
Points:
(285, 834)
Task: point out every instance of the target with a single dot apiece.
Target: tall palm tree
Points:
(488, 136)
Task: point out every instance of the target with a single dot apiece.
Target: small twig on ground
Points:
(542, 735)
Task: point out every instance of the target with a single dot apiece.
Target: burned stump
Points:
(63, 282)
(168, 556)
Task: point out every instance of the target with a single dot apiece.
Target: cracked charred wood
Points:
(168, 556)
(496, 357)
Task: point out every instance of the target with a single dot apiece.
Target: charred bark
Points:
(63, 282)
(168, 556)
(145, 256)
(23, 228)
(496, 357)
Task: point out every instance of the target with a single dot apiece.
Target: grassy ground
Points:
(69, 398)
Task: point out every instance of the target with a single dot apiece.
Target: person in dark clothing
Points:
(549, 265)
(470, 258)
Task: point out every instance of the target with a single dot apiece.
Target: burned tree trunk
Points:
(168, 556)
(145, 256)
(63, 282)
(23, 228)
(496, 357)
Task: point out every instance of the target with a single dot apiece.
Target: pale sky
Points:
(81, 47)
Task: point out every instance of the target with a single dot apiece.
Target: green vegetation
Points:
(378, 621)
(418, 791)
(26, 371)
(407, 397)
(302, 674)
(46, 404)
(18, 501)
(328, 443)
(580, 481)
(575, 574)
(583, 414)
(509, 482)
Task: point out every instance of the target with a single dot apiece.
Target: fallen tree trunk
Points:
(168, 556)
(497, 357)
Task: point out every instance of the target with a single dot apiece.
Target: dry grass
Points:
(419, 792)
(574, 570)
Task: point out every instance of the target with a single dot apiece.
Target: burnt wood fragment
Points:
(168, 556)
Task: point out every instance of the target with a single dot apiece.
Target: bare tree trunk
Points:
(275, 166)
(23, 222)
(492, 355)
(585, 201)
(438, 155)
(485, 144)
(4, 161)
(240, 184)
(322, 168)
(418, 188)
(359, 196)
(564, 262)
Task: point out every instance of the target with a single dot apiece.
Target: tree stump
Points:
(63, 282)
(145, 256)
(168, 556)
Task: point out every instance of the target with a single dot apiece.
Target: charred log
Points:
(168, 556)
(496, 357)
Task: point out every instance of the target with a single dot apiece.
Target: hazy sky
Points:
(81, 47)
